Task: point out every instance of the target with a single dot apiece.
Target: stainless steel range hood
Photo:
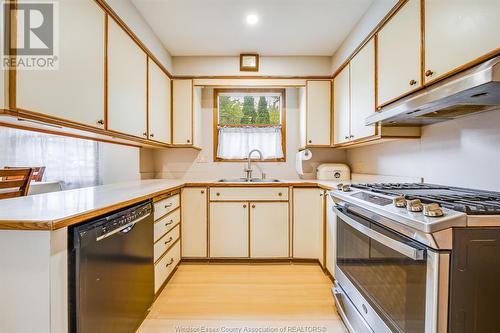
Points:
(474, 90)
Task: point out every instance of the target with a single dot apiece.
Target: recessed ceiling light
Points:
(252, 19)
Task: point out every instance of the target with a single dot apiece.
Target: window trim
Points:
(218, 91)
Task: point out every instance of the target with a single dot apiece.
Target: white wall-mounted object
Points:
(398, 54)
(159, 95)
(75, 91)
(127, 80)
(318, 113)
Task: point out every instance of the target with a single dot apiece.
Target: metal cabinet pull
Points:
(202, 191)
(100, 122)
(413, 82)
(169, 223)
(217, 194)
(170, 263)
(169, 240)
(253, 206)
(244, 206)
(280, 194)
(429, 73)
(169, 205)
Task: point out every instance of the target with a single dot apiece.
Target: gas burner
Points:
(472, 202)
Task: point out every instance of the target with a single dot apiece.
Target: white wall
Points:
(134, 20)
(230, 66)
(192, 164)
(463, 152)
(375, 13)
(118, 163)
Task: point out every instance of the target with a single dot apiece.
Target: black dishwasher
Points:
(111, 271)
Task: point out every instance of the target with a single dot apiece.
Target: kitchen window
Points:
(247, 119)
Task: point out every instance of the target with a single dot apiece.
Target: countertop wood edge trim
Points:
(51, 225)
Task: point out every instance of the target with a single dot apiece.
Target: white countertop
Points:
(54, 210)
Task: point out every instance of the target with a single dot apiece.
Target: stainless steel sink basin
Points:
(244, 180)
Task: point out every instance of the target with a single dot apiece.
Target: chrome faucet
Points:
(248, 170)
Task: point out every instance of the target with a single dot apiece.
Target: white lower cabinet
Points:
(229, 229)
(165, 266)
(269, 230)
(194, 222)
(308, 208)
(331, 220)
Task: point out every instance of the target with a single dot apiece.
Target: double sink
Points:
(251, 180)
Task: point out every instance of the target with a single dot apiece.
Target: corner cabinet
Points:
(74, 92)
(399, 54)
(127, 83)
(182, 116)
(318, 113)
(458, 32)
(159, 107)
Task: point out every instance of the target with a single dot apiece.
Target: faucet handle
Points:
(263, 175)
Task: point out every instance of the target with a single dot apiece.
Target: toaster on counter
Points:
(333, 171)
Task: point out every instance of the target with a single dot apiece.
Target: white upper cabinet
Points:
(398, 58)
(318, 113)
(159, 103)
(458, 32)
(197, 100)
(75, 91)
(341, 107)
(362, 70)
(182, 112)
(127, 80)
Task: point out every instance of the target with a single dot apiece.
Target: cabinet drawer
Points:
(248, 193)
(164, 267)
(165, 206)
(165, 242)
(167, 223)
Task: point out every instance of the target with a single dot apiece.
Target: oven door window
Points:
(391, 282)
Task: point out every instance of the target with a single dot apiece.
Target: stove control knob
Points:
(433, 210)
(339, 186)
(399, 202)
(346, 188)
(414, 205)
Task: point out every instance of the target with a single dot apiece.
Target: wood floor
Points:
(245, 298)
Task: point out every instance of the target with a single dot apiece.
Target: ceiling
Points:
(219, 28)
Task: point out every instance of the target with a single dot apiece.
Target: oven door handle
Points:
(410, 252)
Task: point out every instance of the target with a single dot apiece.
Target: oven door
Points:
(383, 274)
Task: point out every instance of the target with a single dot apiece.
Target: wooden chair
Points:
(18, 187)
(37, 173)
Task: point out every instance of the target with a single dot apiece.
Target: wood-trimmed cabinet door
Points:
(398, 54)
(458, 32)
(127, 81)
(308, 208)
(331, 224)
(341, 107)
(229, 229)
(362, 78)
(318, 113)
(194, 222)
(269, 230)
(159, 104)
(75, 91)
(182, 112)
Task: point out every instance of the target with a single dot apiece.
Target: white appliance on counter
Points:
(333, 171)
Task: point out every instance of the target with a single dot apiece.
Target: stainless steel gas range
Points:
(416, 258)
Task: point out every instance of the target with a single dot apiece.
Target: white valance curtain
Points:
(73, 162)
(237, 142)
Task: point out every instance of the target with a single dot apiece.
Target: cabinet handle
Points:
(169, 223)
(217, 194)
(168, 205)
(346, 137)
(351, 136)
(244, 206)
(202, 191)
(310, 141)
(188, 141)
(429, 72)
(413, 82)
(170, 263)
(253, 206)
(280, 194)
(145, 134)
(169, 240)
(100, 122)
(151, 135)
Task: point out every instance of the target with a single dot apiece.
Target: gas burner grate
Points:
(472, 202)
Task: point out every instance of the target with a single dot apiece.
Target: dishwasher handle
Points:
(124, 229)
